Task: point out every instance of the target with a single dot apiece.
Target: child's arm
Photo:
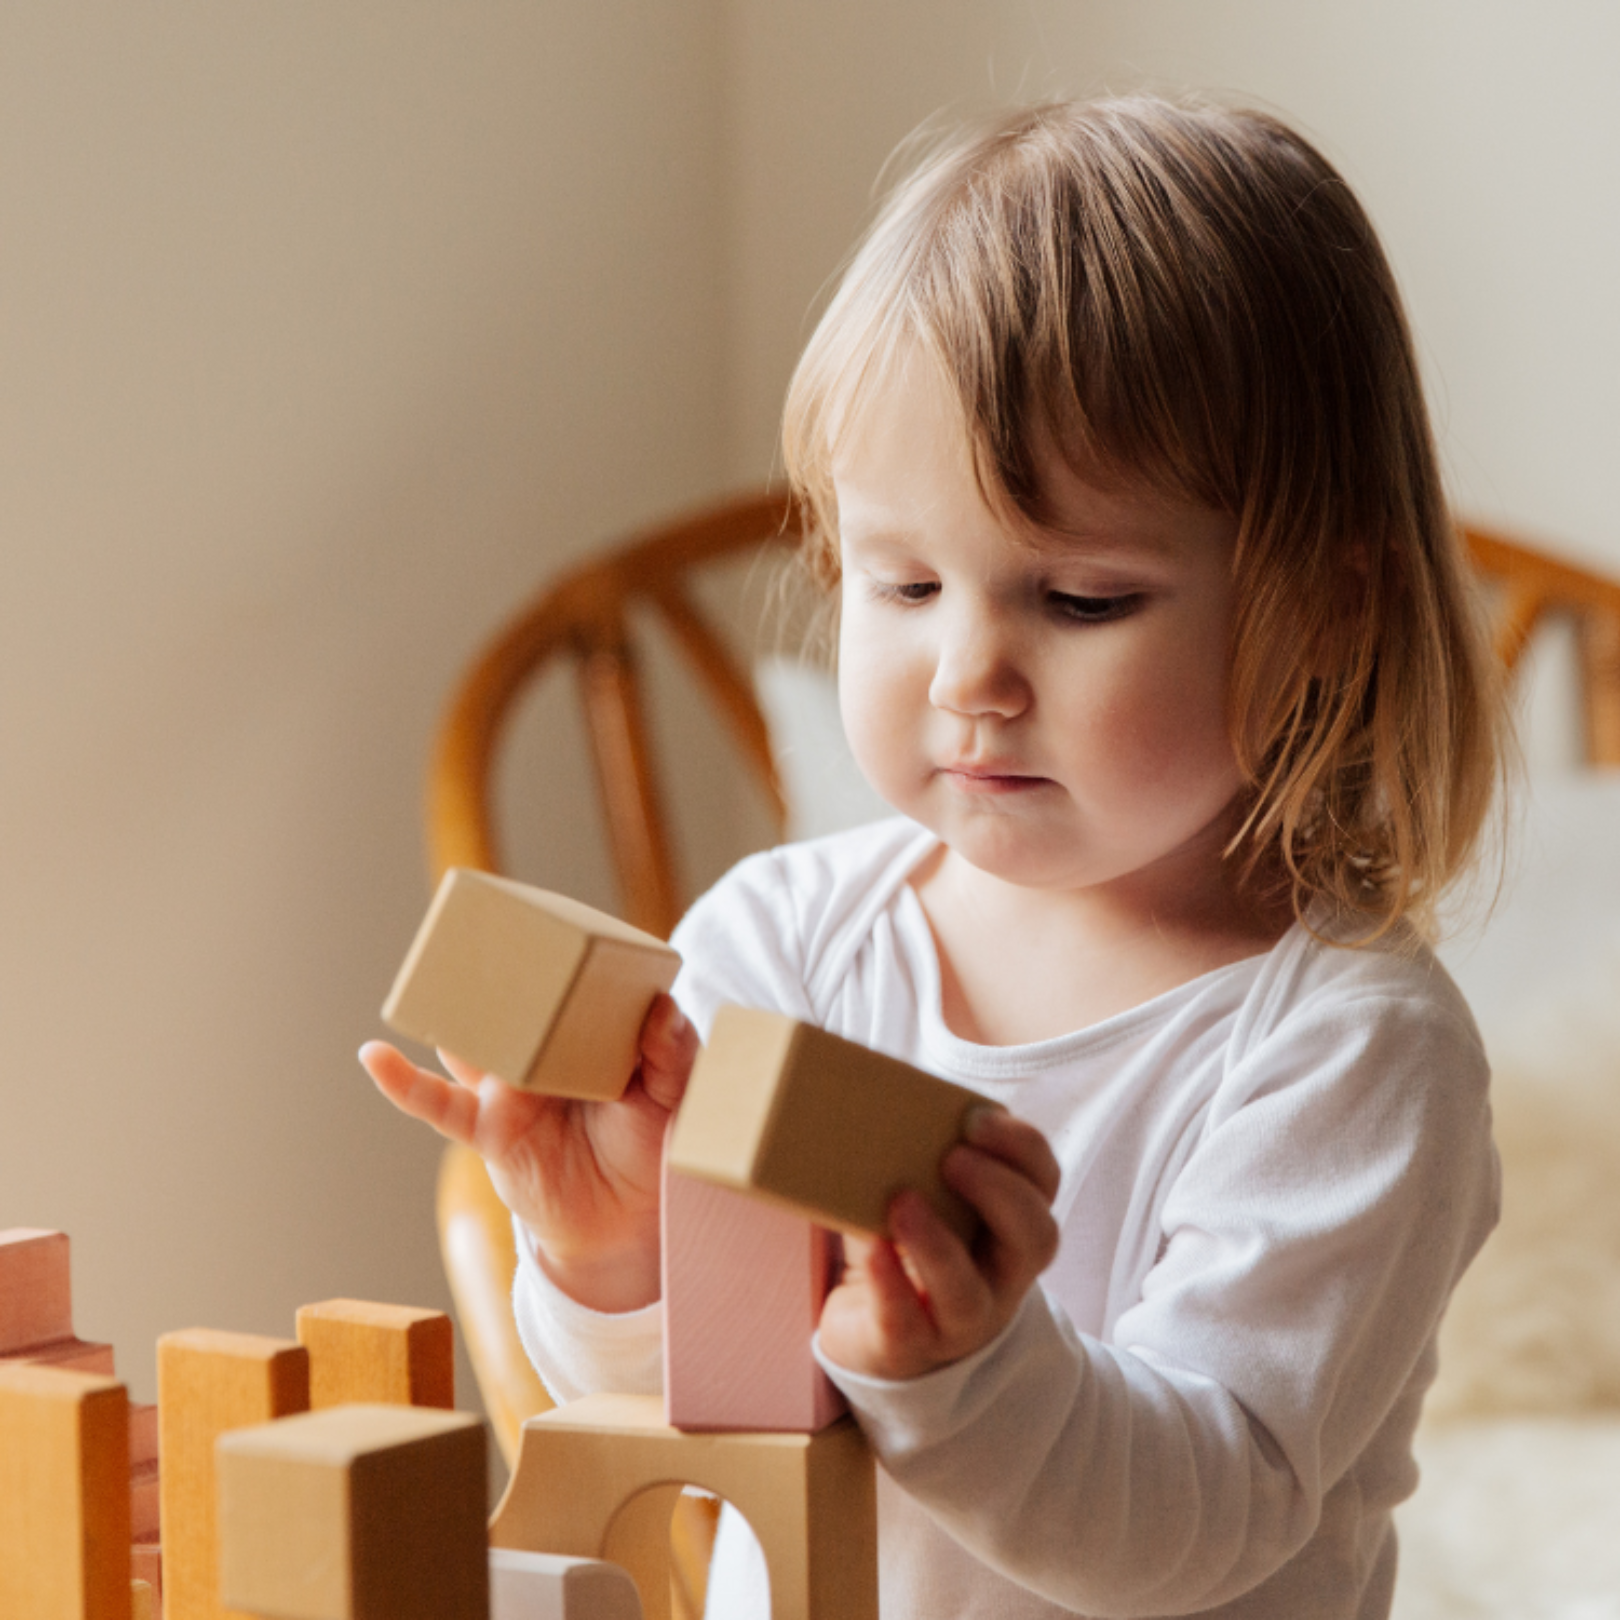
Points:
(583, 1177)
(907, 1307)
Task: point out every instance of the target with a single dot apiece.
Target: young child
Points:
(1155, 632)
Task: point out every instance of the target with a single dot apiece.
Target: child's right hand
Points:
(583, 1177)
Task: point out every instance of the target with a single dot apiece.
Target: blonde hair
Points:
(1189, 299)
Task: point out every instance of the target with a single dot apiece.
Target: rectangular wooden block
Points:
(531, 986)
(64, 1495)
(208, 1384)
(541, 1586)
(743, 1287)
(72, 1355)
(792, 1114)
(36, 1298)
(356, 1513)
(142, 1601)
(392, 1354)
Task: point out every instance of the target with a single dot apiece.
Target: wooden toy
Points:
(540, 1586)
(360, 1512)
(792, 1114)
(599, 1478)
(142, 1601)
(393, 1354)
(533, 987)
(209, 1383)
(36, 1304)
(743, 1286)
(64, 1495)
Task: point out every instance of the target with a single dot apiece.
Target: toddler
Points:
(1156, 634)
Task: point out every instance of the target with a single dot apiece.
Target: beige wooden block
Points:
(208, 1384)
(356, 1513)
(542, 1586)
(36, 1299)
(531, 986)
(392, 1354)
(142, 1601)
(146, 1564)
(793, 1114)
(64, 1495)
(599, 1478)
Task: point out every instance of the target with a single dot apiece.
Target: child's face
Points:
(1055, 711)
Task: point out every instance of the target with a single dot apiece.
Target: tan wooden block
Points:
(146, 1564)
(531, 986)
(818, 1124)
(599, 1478)
(356, 1513)
(36, 1298)
(393, 1354)
(208, 1384)
(541, 1586)
(64, 1495)
(142, 1601)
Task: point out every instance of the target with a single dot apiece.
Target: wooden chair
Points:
(585, 618)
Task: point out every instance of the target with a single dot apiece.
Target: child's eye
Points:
(1095, 609)
(912, 592)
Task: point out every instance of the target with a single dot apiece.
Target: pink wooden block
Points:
(72, 1355)
(743, 1289)
(36, 1298)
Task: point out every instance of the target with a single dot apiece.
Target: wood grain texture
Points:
(594, 1481)
(210, 1383)
(64, 1495)
(531, 986)
(36, 1293)
(540, 1586)
(389, 1354)
(363, 1512)
(790, 1113)
(743, 1287)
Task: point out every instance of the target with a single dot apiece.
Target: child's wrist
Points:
(610, 1281)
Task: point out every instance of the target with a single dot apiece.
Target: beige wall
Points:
(326, 330)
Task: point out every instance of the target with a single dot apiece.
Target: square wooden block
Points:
(821, 1125)
(356, 1513)
(534, 987)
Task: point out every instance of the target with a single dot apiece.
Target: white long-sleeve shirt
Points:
(1273, 1176)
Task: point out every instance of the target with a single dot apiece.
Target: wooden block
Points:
(392, 1354)
(789, 1113)
(210, 1383)
(356, 1513)
(64, 1495)
(146, 1564)
(534, 987)
(36, 1299)
(142, 1601)
(72, 1355)
(743, 1286)
(599, 1478)
(540, 1586)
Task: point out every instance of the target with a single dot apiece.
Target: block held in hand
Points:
(791, 1113)
(531, 986)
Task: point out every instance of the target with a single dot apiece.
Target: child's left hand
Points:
(908, 1306)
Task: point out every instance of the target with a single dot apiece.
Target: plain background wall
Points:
(328, 331)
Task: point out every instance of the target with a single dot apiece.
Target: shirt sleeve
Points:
(1343, 1179)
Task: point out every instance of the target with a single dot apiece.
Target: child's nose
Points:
(977, 672)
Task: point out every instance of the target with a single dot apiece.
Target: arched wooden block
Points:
(599, 1478)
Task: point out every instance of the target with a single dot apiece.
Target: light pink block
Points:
(143, 1435)
(36, 1294)
(71, 1355)
(743, 1289)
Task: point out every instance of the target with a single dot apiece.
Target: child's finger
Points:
(1015, 1142)
(958, 1298)
(1014, 1209)
(669, 1047)
(460, 1070)
(451, 1110)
